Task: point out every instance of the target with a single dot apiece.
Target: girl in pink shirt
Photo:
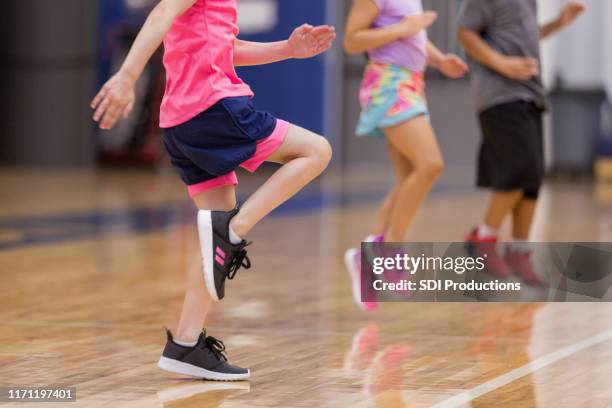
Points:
(210, 129)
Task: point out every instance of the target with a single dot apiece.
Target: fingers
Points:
(304, 29)
(102, 107)
(99, 97)
(531, 66)
(128, 109)
(430, 16)
(323, 30)
(576, 7)
(460, 63)
(321, 38)
(110, 117)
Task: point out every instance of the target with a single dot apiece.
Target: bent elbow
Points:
(350, 46)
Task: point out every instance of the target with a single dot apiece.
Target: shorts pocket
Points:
(243, 115)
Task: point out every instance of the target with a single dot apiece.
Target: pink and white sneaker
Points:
(352, 260)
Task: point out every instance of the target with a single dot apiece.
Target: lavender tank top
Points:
(410, 52)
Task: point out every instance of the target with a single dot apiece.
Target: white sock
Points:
(234, 238)
(486, 232)
(184, 343)
(520, 245)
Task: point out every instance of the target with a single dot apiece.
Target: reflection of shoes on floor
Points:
(363, 349)
(387, 369)
(486, 247)
(352, 260)
(520, 262)
(198, 393)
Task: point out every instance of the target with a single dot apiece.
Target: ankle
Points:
(487, 231)
(238, 227)
(186, 338)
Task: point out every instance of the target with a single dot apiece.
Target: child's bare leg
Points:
(522, 218)
(402, 170)
(197, 301)
(502, 203)
(304, 155)
(416, 142)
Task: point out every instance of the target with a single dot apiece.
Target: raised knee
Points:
(321, 153)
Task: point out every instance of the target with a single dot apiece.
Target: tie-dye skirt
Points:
(389, 95)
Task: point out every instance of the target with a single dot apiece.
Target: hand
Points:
(570, 13)
(452, 66)
(307, 41)
(411, 25)
(519, 68)
(115, 99)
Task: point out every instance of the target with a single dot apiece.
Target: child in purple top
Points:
(393, 103)
(408, 52)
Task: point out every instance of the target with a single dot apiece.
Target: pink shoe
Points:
(520, 262)
(352, 260)
(486, 247)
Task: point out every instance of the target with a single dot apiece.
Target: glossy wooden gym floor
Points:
(92, 264)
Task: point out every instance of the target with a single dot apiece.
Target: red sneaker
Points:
(486, 247)
(520, 262)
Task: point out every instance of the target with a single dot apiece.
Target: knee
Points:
(430, 168)
(320, 152)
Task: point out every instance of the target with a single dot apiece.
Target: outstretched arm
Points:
(360, 36)
(570, 13)
(449, 64)
(116, 97)
(306, 41)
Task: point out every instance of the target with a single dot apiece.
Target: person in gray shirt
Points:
(502, 39)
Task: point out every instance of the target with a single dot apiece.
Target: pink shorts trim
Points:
(266, 147)
(228, 179)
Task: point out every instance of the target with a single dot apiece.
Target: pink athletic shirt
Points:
(199, 61)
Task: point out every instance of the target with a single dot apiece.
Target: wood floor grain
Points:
(87, 310)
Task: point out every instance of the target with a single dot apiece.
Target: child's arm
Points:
(570, 13)
(116, 97)
(449, 64)
(360, 37)
(518, 68)
(306, 41)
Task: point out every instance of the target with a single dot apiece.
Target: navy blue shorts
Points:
(208, 149)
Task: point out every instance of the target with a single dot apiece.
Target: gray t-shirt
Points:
(510, 27)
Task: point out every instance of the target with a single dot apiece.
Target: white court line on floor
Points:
(511, 376)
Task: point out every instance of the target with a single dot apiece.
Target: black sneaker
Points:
(221, 258)
(205, 360)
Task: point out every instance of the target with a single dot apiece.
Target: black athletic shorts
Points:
(512, 151)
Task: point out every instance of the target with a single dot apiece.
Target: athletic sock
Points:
(234, 238)
(520, 245)
(484, 231)
(185, 343)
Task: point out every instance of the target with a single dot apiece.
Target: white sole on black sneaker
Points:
(205, 231)
(178, 367)
(355, 275)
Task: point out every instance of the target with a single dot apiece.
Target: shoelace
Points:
(240, 260)
(215, 346)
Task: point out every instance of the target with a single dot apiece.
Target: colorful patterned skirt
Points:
(389, 95)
